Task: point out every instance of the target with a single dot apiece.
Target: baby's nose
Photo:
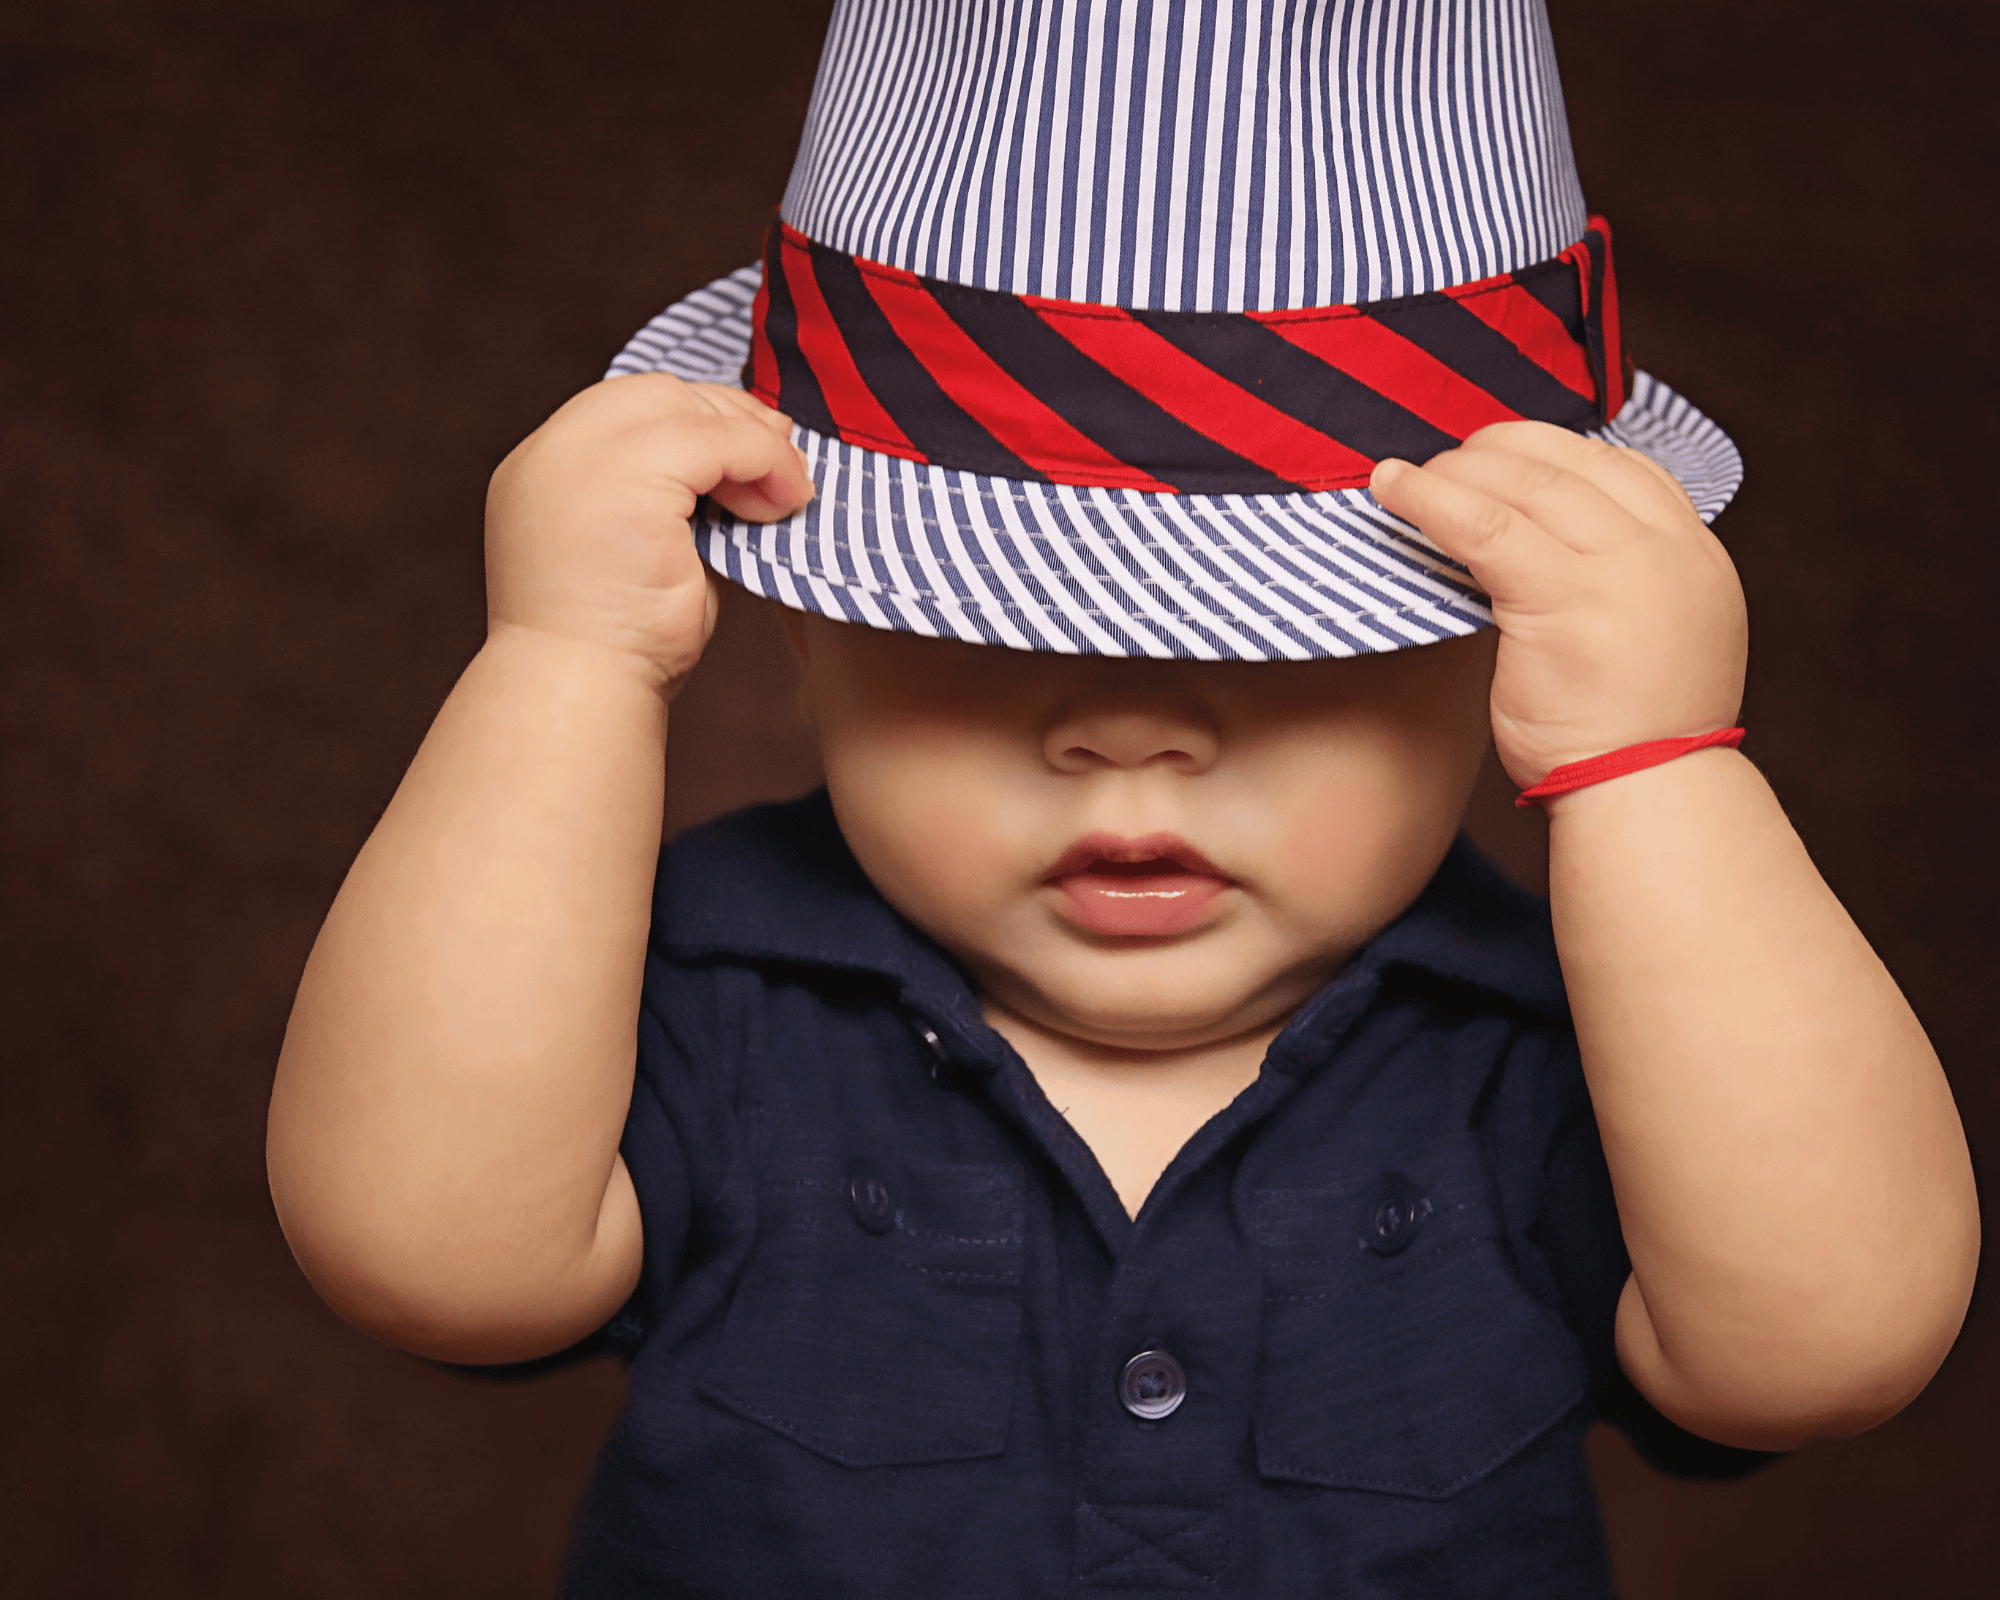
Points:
(1091, 739)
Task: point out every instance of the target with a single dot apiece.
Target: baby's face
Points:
(1147, 854)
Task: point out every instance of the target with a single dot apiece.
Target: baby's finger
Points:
(737, 402)
(1672, 487)
(1638, 483)
(741, 462)
(741, 403)
(1569, 508)
(1511, 558)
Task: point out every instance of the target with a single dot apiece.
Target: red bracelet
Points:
(1616, 763)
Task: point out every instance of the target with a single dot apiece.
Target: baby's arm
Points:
(1792, 1180)
(444, 1128)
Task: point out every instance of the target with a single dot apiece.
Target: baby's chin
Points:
(1151, 1006)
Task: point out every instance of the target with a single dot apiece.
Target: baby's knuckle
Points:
(1538, 479)
(1602, 460)
(1490, 523)
(1654, 484)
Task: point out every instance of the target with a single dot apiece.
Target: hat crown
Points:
(1190, 155)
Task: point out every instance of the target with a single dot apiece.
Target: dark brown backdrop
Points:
(283, 279)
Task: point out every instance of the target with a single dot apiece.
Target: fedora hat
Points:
(1092, 317)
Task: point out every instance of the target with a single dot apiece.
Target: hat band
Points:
(1187, 402)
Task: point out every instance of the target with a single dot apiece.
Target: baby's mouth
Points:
(1136, 888)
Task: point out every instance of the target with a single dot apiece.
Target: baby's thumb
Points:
(786, 487)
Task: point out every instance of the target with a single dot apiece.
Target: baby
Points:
(1113, 1138)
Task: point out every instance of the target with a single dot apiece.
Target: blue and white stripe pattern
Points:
(1192, 155)
(1100, 571)
(1195, 155)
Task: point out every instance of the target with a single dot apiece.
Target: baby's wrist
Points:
(594, 665)
(1678, 782)
(1609, 765)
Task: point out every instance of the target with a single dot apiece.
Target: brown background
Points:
(281, 280)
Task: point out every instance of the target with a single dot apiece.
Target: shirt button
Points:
(1395, 1217)
(1152, 1385)
(868, 1197)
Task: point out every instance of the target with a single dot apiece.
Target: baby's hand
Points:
(1621, 618)
(587, 519)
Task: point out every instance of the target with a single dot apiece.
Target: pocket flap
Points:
(879, 1318)
(1400, 1353)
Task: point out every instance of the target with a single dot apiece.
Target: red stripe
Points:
(1204, 400)
(1536, 331)
(1614, 349)
(991, 395)
(1578, 256)
(1574, 775)
(763, 361)
(857, 414)
(1392, 366)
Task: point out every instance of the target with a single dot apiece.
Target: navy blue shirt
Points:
(884, 1341)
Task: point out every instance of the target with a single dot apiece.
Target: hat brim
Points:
(901, 545)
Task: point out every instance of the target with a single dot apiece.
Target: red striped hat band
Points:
(1188, 402)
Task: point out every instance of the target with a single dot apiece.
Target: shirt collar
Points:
(777, 883)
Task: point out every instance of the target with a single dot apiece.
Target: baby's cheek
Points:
(946, 867)
(934, 829)
(1343, 855)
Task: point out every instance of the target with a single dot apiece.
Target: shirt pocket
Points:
(878, 1322)
(1400, 1353)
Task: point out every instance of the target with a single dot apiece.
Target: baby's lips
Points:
(1151, 887)
(1115, 848)
(1152, 905)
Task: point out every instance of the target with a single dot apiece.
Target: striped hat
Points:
(1093, 316)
